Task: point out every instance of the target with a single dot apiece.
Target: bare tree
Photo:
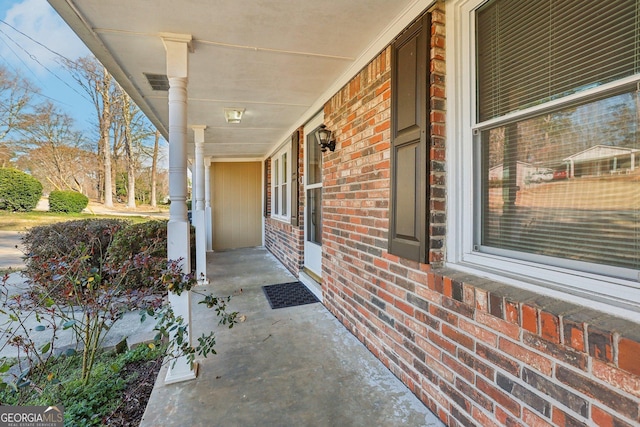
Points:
(15, 96)
(52, 150)
(96, 81)
(131, 130)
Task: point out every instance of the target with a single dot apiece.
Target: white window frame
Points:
(598, 291)
(284, 178)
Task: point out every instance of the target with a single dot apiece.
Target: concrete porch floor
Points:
(293, 366)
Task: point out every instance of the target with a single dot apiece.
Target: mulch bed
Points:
(136, 395)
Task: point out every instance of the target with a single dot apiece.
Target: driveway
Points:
(11, 250)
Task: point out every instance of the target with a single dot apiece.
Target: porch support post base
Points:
(178, 375)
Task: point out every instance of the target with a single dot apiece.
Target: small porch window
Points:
(280, 184)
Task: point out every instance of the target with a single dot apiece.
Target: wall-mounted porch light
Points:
(233, 115)
(323, 136)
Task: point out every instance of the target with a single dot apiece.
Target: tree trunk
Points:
(105, 124)
(154, 170)
(129, 153)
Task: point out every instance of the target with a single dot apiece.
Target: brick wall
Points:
(478, 353)
(283, 240)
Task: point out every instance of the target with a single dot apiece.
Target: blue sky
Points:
(30, 30)
(36, 19)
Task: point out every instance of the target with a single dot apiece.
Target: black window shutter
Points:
(295, 152)
(408, 231)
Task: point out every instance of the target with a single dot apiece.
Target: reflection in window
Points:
(315, 215)
(566, 184)
(314, 160)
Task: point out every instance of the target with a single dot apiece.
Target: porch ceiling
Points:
(276, 59)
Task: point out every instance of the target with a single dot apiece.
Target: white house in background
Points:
(526, 173)
(602, 160)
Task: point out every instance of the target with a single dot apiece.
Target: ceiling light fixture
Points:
(233, 115)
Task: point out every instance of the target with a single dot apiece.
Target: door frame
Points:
(312, 262)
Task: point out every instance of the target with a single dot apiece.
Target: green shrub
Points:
(67, 201)
(53, 244)
(144, 247)
(19, 191)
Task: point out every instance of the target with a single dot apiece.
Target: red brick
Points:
(608, 396)
(482, 419)
(534, 420)
(498, 359)
(629, 356)
(380, 263)
(446, 287)
(574, 334)
(435, 282)
(498, 396)
(482, 300)
(478, 332)
(557, 351)
(600, 344)
(499, 325)
(530, 318)
(562, 419)
(442, 343)
(496, 305)
(506, 419)
(549, 327)
(536, 361)
(443, 314)
(406, 308)
(469, 295)
(475, 364)
(511, 312)
(458, 337)
(604, 419)
(616, 377)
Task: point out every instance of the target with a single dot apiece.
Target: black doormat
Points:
(288, 295)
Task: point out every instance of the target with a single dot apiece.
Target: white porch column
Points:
(178, 245)
(207, 203)
(199, 219)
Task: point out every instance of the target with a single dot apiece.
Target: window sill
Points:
(281, 219)
(617, 297)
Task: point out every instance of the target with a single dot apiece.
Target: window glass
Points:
(314, 174)
(562, 182)
(566, 184)
(315, 214)
(280, 192)
(276, 181)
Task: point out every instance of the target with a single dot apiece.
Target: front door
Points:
(313, 199)
(235, 202)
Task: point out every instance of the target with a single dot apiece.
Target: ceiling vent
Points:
(158, 81)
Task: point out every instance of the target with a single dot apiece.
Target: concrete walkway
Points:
(10, 250)
(293, 366)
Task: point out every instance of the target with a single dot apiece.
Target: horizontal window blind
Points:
(566, 184)
(530, 52)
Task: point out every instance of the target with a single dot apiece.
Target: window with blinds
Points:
(560, 181)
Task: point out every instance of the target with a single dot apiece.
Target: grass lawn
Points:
(21, 221)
